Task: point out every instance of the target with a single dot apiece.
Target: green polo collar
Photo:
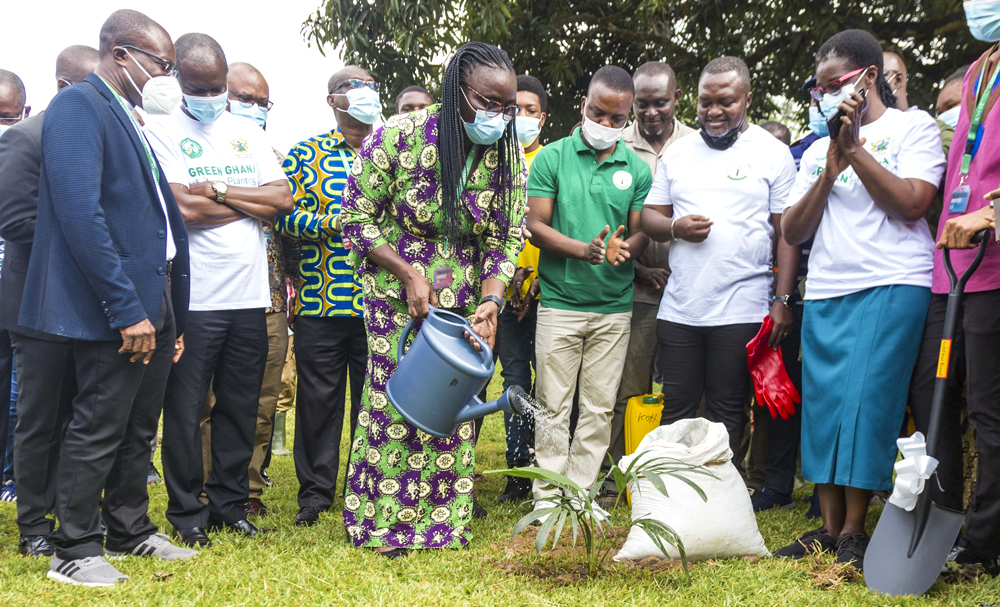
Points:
(619, 155)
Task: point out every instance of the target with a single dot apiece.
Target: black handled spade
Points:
(908, 549)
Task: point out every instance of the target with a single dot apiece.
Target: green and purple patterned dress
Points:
(406, 488)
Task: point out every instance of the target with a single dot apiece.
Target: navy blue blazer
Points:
(98, 262)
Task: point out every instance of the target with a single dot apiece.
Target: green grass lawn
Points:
(318, 567)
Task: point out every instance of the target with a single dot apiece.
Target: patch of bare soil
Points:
(565, 564)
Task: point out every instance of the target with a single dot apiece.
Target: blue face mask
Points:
(817, 122)
(206, 109)
(951, 116)
(527, 129)
(485, 130)
(3, 127)
(254, 112)
(983, 17)
(363, 104)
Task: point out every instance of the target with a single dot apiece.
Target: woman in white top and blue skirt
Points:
(863, 195)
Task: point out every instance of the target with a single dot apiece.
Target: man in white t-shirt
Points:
(221, 170)
(719, 197)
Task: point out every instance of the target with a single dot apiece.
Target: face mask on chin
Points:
(725, 140)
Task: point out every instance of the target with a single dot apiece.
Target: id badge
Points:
(443, 277)
(959, 200)
(346, 242)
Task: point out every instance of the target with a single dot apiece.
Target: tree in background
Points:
(404, 42)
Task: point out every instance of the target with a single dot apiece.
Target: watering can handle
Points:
(402, 341)
(486, 351)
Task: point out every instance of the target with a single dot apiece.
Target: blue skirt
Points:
(858, 353)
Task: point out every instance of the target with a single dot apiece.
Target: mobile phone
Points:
(833, 125)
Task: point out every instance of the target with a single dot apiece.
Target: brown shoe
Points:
(255, 507)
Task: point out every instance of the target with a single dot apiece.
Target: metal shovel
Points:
(908, 549)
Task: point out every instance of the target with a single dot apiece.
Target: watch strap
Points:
(499, 302)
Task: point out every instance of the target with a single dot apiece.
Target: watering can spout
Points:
(510, 401)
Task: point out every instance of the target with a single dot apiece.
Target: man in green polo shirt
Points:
(580, 188)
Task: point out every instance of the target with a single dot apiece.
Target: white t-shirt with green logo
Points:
(726, 279)
(228, 263)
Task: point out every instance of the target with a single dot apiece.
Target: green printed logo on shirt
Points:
(191, 148)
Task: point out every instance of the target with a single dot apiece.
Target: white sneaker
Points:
(157, 545)
(90, 571)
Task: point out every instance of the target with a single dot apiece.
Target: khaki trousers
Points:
(577, 349)
(286, 398)
(277, 352)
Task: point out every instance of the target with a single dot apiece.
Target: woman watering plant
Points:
(862, 192)
(433, 209)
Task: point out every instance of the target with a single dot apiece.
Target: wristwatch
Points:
(783, 299)
(220, 188)
(499, 302)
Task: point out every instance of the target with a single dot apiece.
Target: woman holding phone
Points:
(863, 194)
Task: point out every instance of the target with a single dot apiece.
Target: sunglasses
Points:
(493, 108)
(834, 87)
(355, 83)
(247, 101)
(169, 67)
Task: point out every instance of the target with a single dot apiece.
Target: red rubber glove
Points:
(772, 386)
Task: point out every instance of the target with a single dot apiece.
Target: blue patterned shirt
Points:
(317, 170)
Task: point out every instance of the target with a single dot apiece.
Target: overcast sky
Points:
(263, 33)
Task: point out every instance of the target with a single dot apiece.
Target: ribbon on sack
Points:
(912, 471)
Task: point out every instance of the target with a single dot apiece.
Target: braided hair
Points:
(861, 49)
(451, 137)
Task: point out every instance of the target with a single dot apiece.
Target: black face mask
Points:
(725, 140)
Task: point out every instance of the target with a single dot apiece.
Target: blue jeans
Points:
(516, 350)
(8, 466)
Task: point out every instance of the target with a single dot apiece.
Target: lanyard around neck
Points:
(138, 131)
(981, 98)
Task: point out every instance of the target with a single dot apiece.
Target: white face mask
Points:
(160, 95)
(950, 117)
(599, 136)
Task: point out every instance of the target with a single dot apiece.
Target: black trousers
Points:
(106, 445)
(976, 351)
(329, 352)
(785, 435)
(231, 347)
(709, 361)
(6, 362)
(47, 380)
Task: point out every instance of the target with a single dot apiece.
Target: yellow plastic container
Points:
(641, 416)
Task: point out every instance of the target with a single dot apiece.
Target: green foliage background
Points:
(404, 42)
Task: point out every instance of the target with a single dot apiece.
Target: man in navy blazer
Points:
(46, 361)
(109, 270)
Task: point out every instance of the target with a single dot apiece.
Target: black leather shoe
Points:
(517, 489)
(478, 511)
(963, 556)
(35, 545)
(242, 526)
(194, 537)
(307, 517)
(395, 553)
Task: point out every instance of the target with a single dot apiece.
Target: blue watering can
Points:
(436, 383)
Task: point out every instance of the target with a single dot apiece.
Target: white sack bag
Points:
(724, 526)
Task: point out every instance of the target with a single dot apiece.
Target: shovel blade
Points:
(889, 569)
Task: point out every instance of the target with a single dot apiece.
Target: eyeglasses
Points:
(834, 87)
(356, 83)
(247, 101)
(493, 108)
(10, 120)
(891, 75)
(169, 67)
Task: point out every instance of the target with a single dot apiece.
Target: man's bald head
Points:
(12, 96)
(341, 76)
(74, 63)
(894, 69)
(128, 27)
(244, 75)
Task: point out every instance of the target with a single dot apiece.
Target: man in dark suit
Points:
(12, 111)
(107, 236)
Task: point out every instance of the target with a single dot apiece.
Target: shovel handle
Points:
(958, 284)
